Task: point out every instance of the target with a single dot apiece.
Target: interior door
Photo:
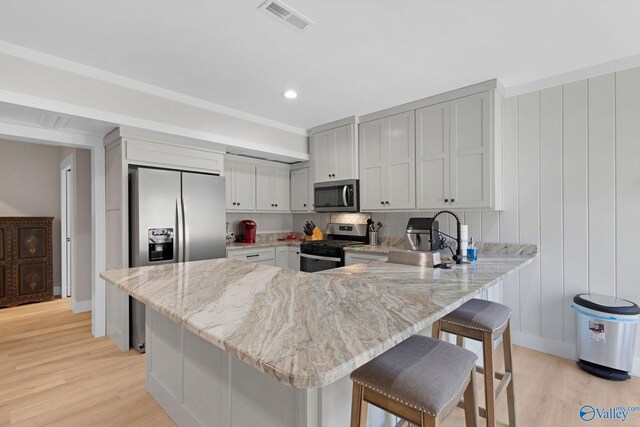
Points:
(432, 156)
(204, 216)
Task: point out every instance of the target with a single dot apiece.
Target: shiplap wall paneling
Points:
(575, 193)
(474, 220)
(529, 208)
(509, 216)
(490, 226)
(602, 185)
(551, 271)
(628, 185)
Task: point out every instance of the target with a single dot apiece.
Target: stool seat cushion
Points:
(479, 314)
(420, 372)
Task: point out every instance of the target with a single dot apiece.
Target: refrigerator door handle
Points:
(186, 230)
(180, 233)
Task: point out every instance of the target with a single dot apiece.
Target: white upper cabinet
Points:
(240, 185)
(300, 190)
(334, 153)
(457, 153)
(272, 188)
(387, 163)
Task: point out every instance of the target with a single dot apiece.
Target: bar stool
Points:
(485, 321)
(420, 380)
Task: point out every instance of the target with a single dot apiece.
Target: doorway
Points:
(66, 226)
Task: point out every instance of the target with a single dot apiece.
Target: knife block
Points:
(317, 235)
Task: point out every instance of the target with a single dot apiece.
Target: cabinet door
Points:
(294, 258)
(5, 264)
(229, 169)
(282, 256)
(299, 189)
(470, 151)
(372, 158)
(399, 138)
(323, 155)
(280, 183)
(244, 182)
(432, 156)
(345, 153)
(264, 185)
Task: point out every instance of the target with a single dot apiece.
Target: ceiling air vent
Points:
(285, 14)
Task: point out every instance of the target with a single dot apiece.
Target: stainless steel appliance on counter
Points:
(422, 235)
(174, 217)
(318, 255)
(336, 196)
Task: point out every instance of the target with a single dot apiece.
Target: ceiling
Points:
(359, 57)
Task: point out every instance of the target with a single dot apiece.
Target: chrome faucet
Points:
(457, 257)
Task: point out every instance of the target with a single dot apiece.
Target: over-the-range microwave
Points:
(336, 196)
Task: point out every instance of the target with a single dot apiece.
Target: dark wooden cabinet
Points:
(26, 267)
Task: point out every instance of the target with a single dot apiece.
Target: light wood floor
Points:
(53, 372)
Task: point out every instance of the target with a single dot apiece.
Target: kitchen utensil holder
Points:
(373, 238)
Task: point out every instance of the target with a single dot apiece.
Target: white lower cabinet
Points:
(351, 258)
(266, 256)
(294, 258)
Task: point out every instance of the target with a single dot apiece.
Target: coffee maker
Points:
(247, 231)
(422, 235)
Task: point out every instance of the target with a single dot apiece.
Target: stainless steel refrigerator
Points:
(174, 217)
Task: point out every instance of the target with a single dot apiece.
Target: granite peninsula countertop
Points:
(309, 329)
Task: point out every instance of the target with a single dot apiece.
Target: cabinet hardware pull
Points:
(234, 203)
(238, 203)
(387, 202)
(446, 200)
(253, 256)
(453, 200)
(304, 205)
(382, 203)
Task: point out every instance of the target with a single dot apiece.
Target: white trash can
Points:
(606, 334)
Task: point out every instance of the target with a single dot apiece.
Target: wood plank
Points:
(575, 194)
(529, 208)
(602, 185)
(551, 262)
(509, 216)
(628, 185)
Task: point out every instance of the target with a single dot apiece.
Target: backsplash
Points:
(266, 222)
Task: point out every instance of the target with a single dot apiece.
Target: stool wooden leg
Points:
(460, 341)
(471, 402)
(508, 367)
(489, 377)
(435, 330)
(429, 421)
(358, 407)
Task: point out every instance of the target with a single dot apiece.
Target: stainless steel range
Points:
(318, 255)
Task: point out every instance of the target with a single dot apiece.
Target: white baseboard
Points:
(557, 348)
(81, 306)
(545, 345)
(57, 291)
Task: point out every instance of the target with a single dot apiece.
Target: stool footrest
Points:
(505, 378)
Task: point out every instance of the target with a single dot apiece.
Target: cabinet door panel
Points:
(3, 282)
(264, 198)
(294, 259)
(345, 153)
(323, 148)
(280, 189)
(371, 166)
(32, 278)
(245, 186)
(401, 180)
(299, 189)
(32, 242)
(229, 168)
(432, 153)
(470, 151)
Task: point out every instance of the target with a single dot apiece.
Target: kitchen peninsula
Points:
(232, 343)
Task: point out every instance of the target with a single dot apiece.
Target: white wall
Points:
(30, 186)
(572, 186)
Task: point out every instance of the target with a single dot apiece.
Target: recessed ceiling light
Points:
(291, 94)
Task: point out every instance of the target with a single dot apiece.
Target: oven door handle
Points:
(344, 195)
(323, 258)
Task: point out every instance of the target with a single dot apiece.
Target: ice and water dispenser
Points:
(160, 244)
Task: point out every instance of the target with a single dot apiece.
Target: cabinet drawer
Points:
(253, 255)
(361, 258)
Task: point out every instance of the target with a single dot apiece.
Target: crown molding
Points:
(619, 64)
(116, 79)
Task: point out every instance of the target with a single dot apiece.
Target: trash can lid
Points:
(607, 304)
